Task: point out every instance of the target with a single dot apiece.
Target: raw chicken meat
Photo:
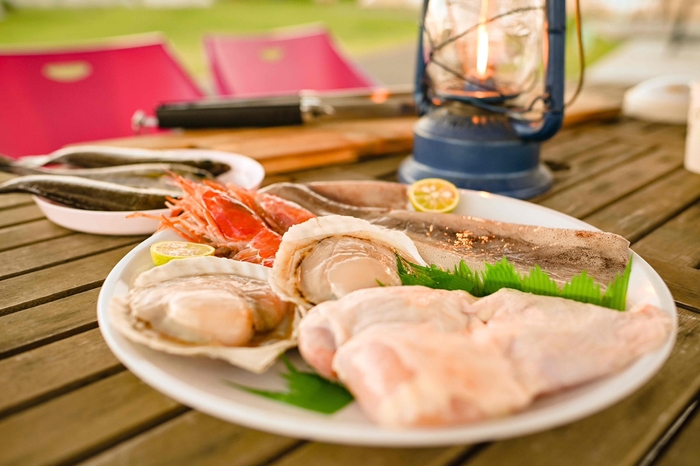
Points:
(332, 323)
(555, 343)
(413, 356)
(410, 375)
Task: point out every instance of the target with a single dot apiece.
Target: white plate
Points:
(199, 383)
(245, 172)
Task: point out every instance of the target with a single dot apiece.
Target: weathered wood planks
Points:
(195, 438)
(41, 373)
(84, 421)
(49, 322)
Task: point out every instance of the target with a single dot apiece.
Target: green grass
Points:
(358, 30)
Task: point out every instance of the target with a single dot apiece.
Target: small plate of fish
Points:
(97, 189)
(427, 367)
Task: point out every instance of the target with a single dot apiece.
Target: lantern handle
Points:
(554, 80)
(421, 92)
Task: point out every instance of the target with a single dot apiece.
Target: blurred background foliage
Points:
(360, 31)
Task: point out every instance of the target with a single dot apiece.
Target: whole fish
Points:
(106, 156)
(146, 175)
(445, 239)
(87, 194)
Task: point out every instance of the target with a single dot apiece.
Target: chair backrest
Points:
(280, 63)
(52, 98)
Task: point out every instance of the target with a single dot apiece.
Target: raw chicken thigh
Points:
(330, 324)
(414, 356)
(555, 343)
(410, 375)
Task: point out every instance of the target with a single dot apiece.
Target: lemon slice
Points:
(433, 195)
(165, 251)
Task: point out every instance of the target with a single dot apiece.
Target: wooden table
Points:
(64, 398)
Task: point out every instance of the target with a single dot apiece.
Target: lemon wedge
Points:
(433, 195)
(165, 251)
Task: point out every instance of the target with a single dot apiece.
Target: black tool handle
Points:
(233, 114)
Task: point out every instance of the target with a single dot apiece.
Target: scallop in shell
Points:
(208, 306)
(326, 258)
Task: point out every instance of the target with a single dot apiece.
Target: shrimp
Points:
(232, 219)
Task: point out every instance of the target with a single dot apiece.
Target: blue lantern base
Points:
(477, 151)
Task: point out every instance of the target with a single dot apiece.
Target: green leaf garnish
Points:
(306, 390)
(503, 275)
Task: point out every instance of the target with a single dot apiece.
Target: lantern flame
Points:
(482, 42)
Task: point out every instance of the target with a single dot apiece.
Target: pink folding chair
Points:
(280, 63)
(52, 98)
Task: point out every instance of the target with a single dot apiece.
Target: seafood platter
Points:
(97, 189)
(333, 311)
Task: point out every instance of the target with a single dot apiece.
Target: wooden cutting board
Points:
(291, 148)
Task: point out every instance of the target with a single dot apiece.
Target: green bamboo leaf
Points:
(615, 296)
(581, 288)
(305, 390)
(501, 275)
(538, 282)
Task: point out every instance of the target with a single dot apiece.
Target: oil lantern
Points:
(490, 88)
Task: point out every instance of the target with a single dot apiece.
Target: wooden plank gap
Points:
(52, 297)
(283, 453)
(45, 324)
(45, 261)
(470, 453)
(29, 233)
(8, 206)
(667, 439)
(62, 390)
(126, 435)
(45, 341)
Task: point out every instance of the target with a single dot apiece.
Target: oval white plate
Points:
(200, 383)
(245, 172)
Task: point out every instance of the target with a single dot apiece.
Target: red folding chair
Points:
(52, 98)
(280, 63)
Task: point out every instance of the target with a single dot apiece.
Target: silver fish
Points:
(86, 194)
(146, 175)
(105, 156)
(445, 239)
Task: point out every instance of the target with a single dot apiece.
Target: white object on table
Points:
(663, 99)
(692, 141)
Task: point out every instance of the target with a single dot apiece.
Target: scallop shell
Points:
(283, 278)
(255, 359)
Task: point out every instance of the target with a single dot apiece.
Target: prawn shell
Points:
(300, 237)
(255, 359)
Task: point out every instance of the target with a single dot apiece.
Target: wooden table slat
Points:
(44, 372)
(49, 322)
(58, 251)
(35, 288)
(20, 214)
(84, 421)
(683, 450)
(641, 212)
(321, 454)
(195, 438)
(590, 195)
(681, 280)
(676, 241)
(30, 233)
(591, 163)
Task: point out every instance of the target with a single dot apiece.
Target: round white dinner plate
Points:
(245, 172)
(202, 383)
